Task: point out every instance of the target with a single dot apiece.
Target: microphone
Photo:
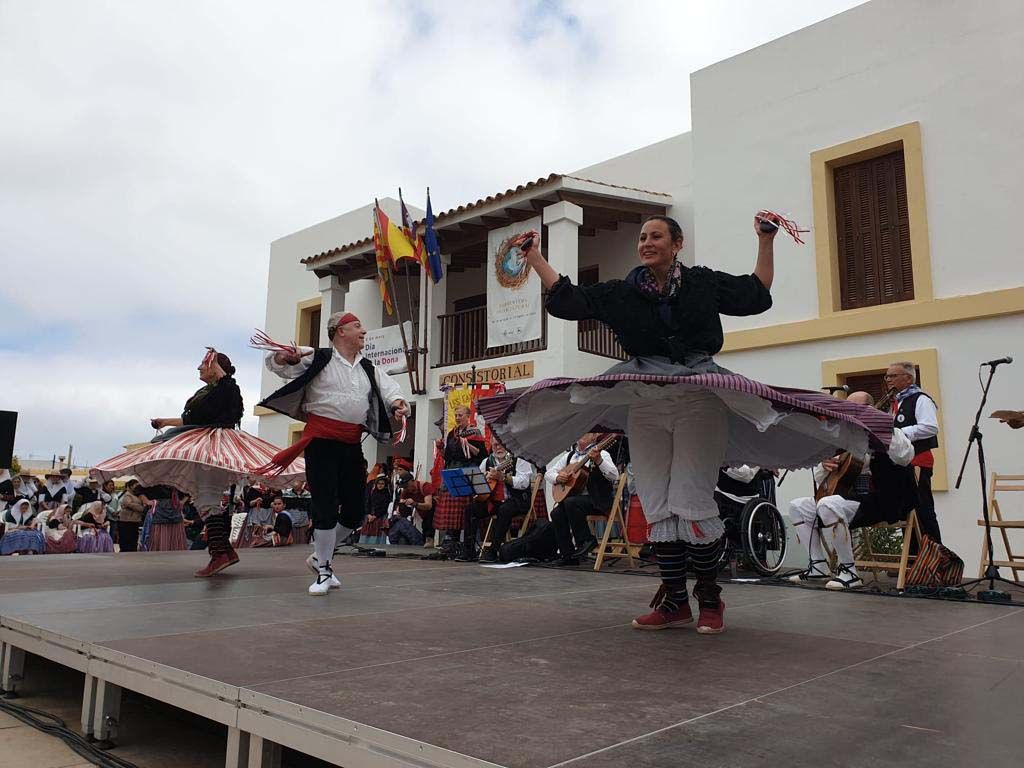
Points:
(832, 390)
(1001, 361)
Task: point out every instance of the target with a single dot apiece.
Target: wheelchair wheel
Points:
(763, 533)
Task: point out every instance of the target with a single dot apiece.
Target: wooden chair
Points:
(528, 518)
(1015, 562)
(867, 559)
(620, 546)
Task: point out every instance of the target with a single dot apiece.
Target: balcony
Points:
(464, 338)
(597, 338)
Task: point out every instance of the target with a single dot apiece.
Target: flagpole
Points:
(415, 351)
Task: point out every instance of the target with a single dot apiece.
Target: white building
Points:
(893, 130)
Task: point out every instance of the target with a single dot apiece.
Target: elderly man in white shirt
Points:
(339, 394)
(569, 518)
(510, 477)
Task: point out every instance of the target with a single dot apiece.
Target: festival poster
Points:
(384, 347)
(513, 288)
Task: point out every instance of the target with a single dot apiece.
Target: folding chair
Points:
(875, 562)
(1015, 562)
(621, 546)
(531, 515)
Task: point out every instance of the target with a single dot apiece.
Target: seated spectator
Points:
(86, 493)
(402, 531)
(166, 525)
(21, 533)
(279, 533)
(418, 498)
(58, 531)
(53, 492)
(93, 536)
(194, 523)
(377, 505)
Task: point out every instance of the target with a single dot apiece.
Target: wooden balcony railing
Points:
(464, 338)
(597, 338)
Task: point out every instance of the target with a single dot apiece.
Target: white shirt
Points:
(341, 391)
(741, 474)
(607, 466)
(521, 478)
(927, 418)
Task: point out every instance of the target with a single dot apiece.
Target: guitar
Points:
(579, 473)
(503, 466)
(840, 481)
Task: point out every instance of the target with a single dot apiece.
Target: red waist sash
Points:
(316, 427)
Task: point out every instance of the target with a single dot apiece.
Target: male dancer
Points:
(339, 394)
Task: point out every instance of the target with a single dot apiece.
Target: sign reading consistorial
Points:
(384, 347)
(512, 372)
(513, 288)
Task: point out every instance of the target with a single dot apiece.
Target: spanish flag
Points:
(393, 241)
(383, 264)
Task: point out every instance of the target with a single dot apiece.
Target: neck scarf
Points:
(913, 389)
(648, 283)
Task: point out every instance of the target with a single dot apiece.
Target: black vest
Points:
(893, 493)
(599, 489)
(731, 485)
(520, 496)
(906, 416)
(288, 399)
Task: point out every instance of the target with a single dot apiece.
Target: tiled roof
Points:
(359, 245)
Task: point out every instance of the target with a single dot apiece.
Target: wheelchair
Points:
(755, 531)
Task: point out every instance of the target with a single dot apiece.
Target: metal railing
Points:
(597, 338)
(464, 338)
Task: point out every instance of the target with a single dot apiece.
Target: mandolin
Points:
(504, 466)
(579, 473)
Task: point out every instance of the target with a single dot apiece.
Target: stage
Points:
(425, 663)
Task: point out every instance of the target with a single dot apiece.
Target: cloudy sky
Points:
(151, 151)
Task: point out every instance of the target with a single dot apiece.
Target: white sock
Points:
(323, 546)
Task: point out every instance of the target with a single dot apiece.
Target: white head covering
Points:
(20, 511)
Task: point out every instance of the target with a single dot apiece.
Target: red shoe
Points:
(659, 618)
(232, 556)
(217, 564)
(712, 620)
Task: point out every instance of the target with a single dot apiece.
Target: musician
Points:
(509, 499)
(915, 414)
(463, 446)
(569, 518)
(417, 497)
(885, 492)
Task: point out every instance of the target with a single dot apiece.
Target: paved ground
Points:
(534, 667)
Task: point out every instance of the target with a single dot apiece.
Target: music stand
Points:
(465, 481)
(990, 595)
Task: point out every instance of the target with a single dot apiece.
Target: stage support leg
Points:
(106, 711)
(89, 706)
(238, 749)
(263, 753)
(13, 670)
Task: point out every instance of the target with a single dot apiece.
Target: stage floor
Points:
(421, 663)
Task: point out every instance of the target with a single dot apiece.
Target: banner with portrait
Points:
(513, 288)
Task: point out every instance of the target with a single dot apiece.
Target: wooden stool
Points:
(1015, 562)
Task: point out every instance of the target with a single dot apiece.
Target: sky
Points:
(150, 152)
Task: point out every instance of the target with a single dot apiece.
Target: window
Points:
(307, 323)
(870, 382)
(870, 225)
(873, 232)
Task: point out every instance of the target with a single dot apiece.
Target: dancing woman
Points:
(202, 454)
(685, 415)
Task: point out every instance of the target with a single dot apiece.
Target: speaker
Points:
(8, 426)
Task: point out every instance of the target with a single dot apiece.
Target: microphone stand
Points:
(990, 595)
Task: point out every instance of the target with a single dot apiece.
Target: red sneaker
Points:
(216, 565)
(660, 618)
(232, 556)
(712, 620)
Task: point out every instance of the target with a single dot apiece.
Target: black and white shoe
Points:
(816, 573)
(847, 578)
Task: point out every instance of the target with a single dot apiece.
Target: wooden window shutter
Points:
(873, 232)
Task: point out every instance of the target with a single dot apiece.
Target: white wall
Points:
(956, 68)
(662, 167)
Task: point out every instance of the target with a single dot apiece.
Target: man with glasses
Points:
(915, 414)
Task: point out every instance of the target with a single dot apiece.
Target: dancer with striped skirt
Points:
(685, 416)
(202, 454)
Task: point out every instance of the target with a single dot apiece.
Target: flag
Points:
(394, 242)
(409, 230)
(383, 264)
(433, 250)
